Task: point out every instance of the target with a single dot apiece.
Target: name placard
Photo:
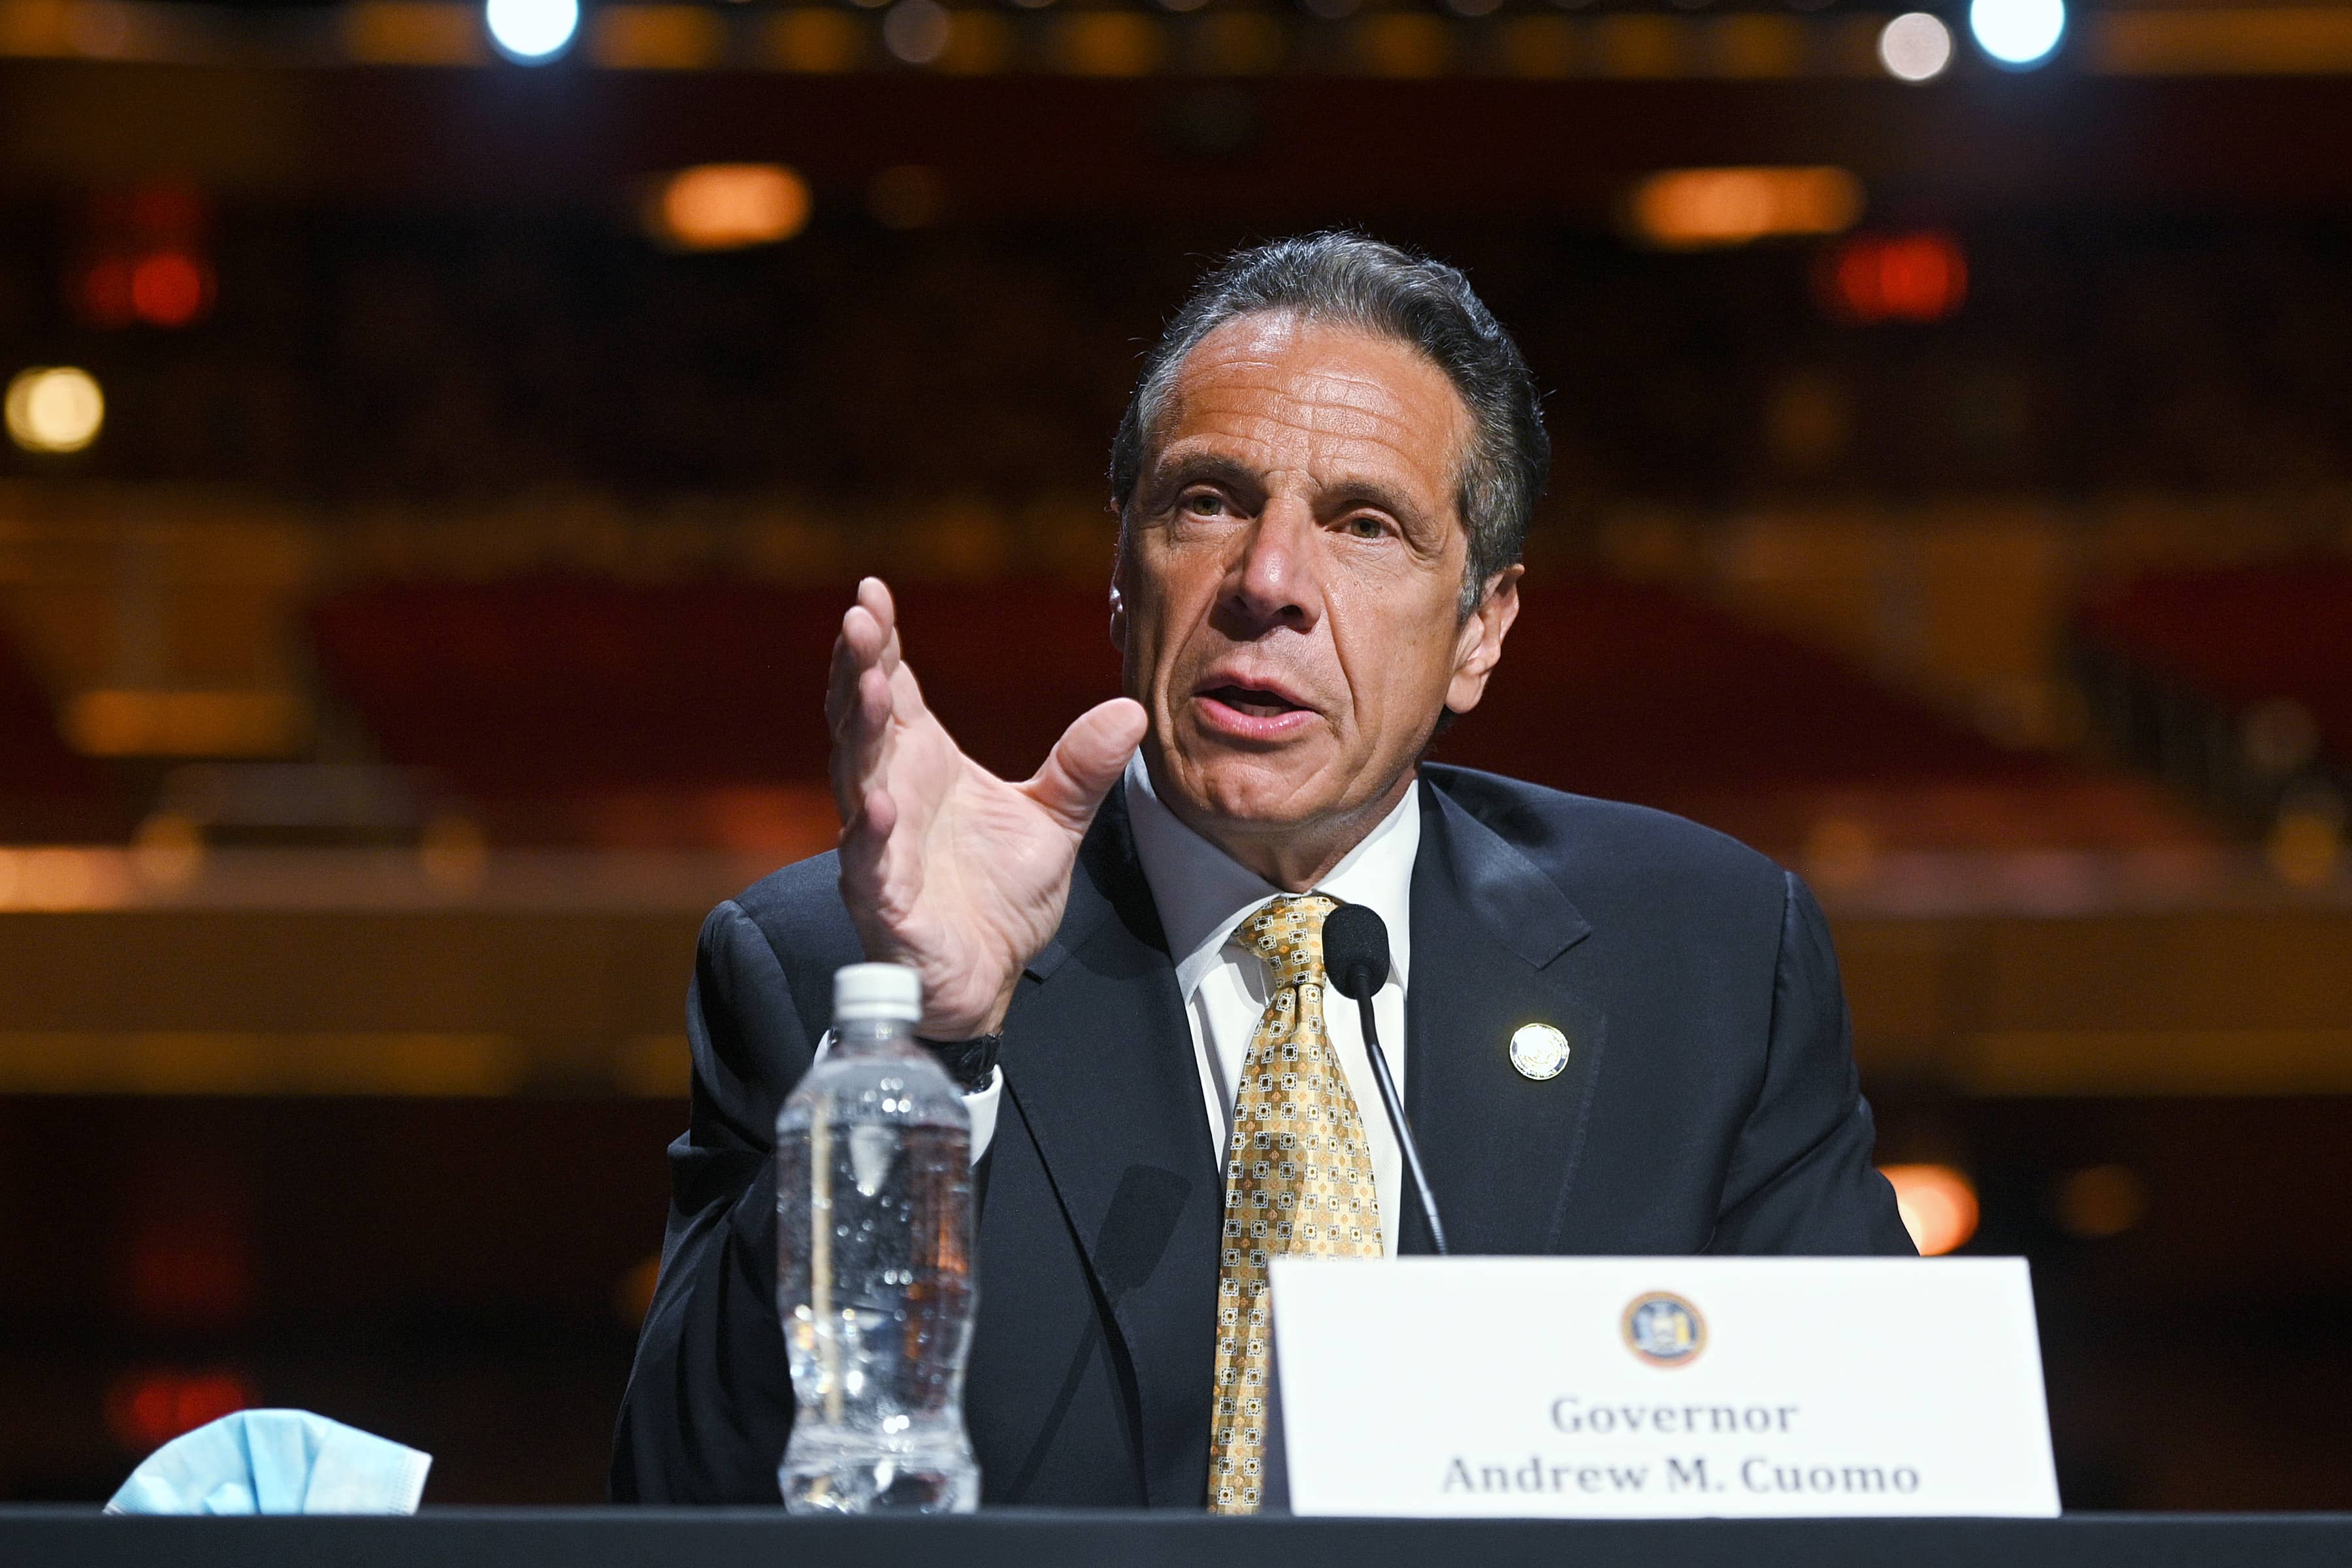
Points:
(1633, 1387)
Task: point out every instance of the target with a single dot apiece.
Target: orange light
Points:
(131, 723)
(145, 1410)
(1691, 209)
(2102, 1202)
(728, 207)
(1921, 276)
(632, 1297)
(1938, 1205)
(169, 288)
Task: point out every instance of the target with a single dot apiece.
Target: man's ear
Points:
(1117, 619)
(1478, 646)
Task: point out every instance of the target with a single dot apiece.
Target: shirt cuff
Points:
(982, 1105)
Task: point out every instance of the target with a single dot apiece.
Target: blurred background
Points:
(441, 440)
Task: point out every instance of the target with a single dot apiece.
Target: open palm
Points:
(945, 866)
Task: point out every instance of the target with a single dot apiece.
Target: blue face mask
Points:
(275, 1462)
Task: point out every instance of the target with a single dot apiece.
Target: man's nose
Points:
(1274, 581)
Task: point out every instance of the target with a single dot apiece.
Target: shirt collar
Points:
(1202, 893)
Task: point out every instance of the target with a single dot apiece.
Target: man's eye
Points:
(1367, 527)
(1208, 503)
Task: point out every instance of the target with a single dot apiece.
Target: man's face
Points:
(1290, 580)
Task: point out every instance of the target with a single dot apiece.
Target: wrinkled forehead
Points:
(1329, 399)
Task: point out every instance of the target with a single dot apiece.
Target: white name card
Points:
(1648, 1387)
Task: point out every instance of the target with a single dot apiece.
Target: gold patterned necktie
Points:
(1298, 1182)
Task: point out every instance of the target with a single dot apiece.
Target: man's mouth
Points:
(1251, 715)
(1254, 701)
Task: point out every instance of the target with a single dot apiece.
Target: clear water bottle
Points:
(873, 1277)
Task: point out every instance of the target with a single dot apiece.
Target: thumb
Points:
(1085, 762)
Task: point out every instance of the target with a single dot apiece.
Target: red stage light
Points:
(145, 1410)
(169, 288)
(145, 259)
(1921, 276)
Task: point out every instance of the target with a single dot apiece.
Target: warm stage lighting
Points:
(1915, 46)
(2306, 840)
(145, 1410)
(1689, 209)
(56, 409)
(728, 207)
(160, 288)
(2102, 1202)
(2018, 34)
(1937, 1204)
(532, 32)
(1895, 277)
(169, 290)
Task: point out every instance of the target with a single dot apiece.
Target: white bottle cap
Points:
(886, 991)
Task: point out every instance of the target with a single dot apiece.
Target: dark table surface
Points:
(760, 1537)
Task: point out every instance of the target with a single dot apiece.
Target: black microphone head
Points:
(1356, 950)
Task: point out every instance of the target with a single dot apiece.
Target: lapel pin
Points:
(1539, 1051)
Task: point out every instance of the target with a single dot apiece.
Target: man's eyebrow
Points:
(1195, 467)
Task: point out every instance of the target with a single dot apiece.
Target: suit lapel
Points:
(1099, 1063)
(1501, 1149)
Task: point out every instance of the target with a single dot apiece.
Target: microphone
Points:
(1356, 957)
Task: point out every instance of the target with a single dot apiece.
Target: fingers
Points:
(858, 693)
(869, 639)
(1085, 762)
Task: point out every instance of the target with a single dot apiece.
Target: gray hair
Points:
(1358, 282)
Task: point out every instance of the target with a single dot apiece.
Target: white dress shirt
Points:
(1202, 894)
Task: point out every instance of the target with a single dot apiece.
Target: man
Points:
(1617, 1032)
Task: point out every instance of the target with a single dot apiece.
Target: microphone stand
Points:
(1396, 1118)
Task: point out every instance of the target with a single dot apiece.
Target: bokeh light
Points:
(2018, 34)
(55, 408)
(169, 288)
(1921, 276)
(1688, 209)
(633, 1294)
(145, 1410)
(2306, 843)
(532, 32)
(168, 851)
(51, 879)
(916, 31)
(728, 207)
(1938, 1205)
(2101, 1202)
(1840, 853)
(1915, 46)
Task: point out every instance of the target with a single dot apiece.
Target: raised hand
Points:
(944, 866)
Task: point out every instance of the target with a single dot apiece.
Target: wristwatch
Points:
(970, 1063)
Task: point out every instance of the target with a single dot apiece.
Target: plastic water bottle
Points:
(874, 1279)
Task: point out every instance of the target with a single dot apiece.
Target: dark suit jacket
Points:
(1710, 1105)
